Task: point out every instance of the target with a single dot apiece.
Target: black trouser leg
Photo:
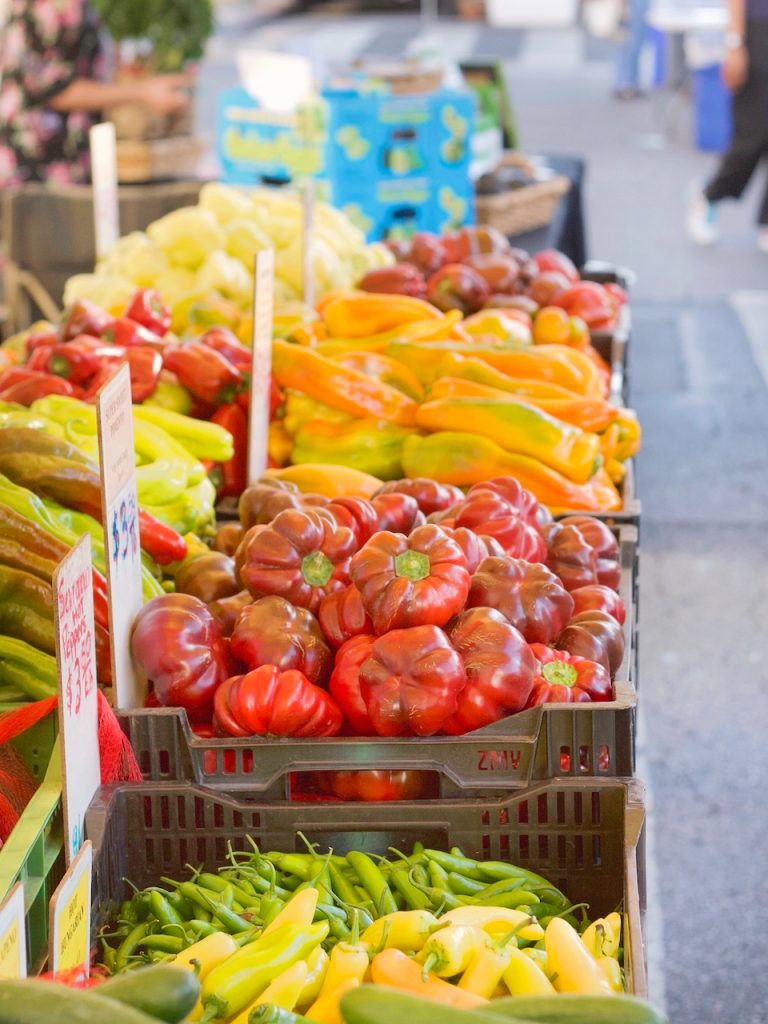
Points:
(747, 147)
(762, 218)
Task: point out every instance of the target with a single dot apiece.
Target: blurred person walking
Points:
(632, 34)
(745, 73)
(51, 62)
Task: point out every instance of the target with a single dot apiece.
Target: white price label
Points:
(261, 368)
(106, 210)
(121, 532)
(13, 935)
(70, 915)
(78, 692)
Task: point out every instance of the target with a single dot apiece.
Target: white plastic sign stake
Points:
(106, 211)
(308, 252)
(13, 935)
(121, 532)
(261, 365)
(70, 915)
(78, 709)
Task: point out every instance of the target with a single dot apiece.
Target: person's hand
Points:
(165, 94)
(735, 68)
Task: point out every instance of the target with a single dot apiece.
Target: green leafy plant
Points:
(176, 30)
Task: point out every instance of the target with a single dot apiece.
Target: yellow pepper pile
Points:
(390, 386)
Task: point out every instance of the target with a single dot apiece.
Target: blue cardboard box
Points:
(388, 209)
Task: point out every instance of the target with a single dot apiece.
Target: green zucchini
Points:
(164, 992)
(576, 1009)
(375, 1004)
(43, 1002)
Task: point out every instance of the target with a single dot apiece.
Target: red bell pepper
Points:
(300, 555)
(430, 495)
(563, 678)
(269, 702)
(227, 610)
(418, 580)
(40, 359)
(180, 647)
(398, 513)
(358, 514)
(499, 666)
(489, 514)
(594, 635)
(41, 339)
(527, 594)
(272, 631)
(234, 473)
(456, 286)
(23, 386)
(261, 502)
(401, 279)
(411, 682)
(208, 577)
(161, 542)
(205, 373)
(79, 359)
(343, 616)
(83, 317)
(345, 683)
(148, 309)
(126, 333)
(529, 507)
(596, 597)
(582, 550)
(371, 785)
(144, 364)
(228, 345)
(476, 548)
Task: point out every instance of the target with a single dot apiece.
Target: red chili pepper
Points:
(205, 373)
(411, 682)
(148, 309)
(234, 473)
(160, 542)
(272, 631)
(178, 643)
(269, 702)
(563, 678)
(78, 360)
(499, 667)
(224, 341)
(33, 385)
(127, 334)
(301, 555)
(411, 581)
(83, 317)
(343, 616)
(40, 359)
(345, 683)
(528, 595)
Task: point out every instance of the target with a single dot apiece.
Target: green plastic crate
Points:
(34, 852)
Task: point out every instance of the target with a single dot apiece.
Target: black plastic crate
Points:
(585, 836)
(573, 740)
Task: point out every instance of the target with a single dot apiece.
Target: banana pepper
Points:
(360, 314)
(518, 428)
(463, 459)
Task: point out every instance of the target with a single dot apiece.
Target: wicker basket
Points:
(518, 210)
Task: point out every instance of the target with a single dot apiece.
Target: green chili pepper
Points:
(162, 909)
(449, 862)
(438, 876)
(342, 887)
(463, 886)
(415, 899)
(129, 945)
(231, 920)
(293, 863)
(108, 958)
(162, 943)
(271, 904)
(198, 929)
(513, 898)
(217, 883)
(373, 882)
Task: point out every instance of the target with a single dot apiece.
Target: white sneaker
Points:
(701, 221)
(762, 238)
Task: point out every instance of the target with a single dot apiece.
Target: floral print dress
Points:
(44, 46)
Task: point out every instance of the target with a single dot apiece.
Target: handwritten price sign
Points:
(78, 710)
(13, 949)
(70, 915)
(121, 531)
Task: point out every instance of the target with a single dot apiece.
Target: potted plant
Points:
(152, 37)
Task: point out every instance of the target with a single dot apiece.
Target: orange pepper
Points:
(359, 315)
(394, 968)
(382, 368)
(294, 366)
